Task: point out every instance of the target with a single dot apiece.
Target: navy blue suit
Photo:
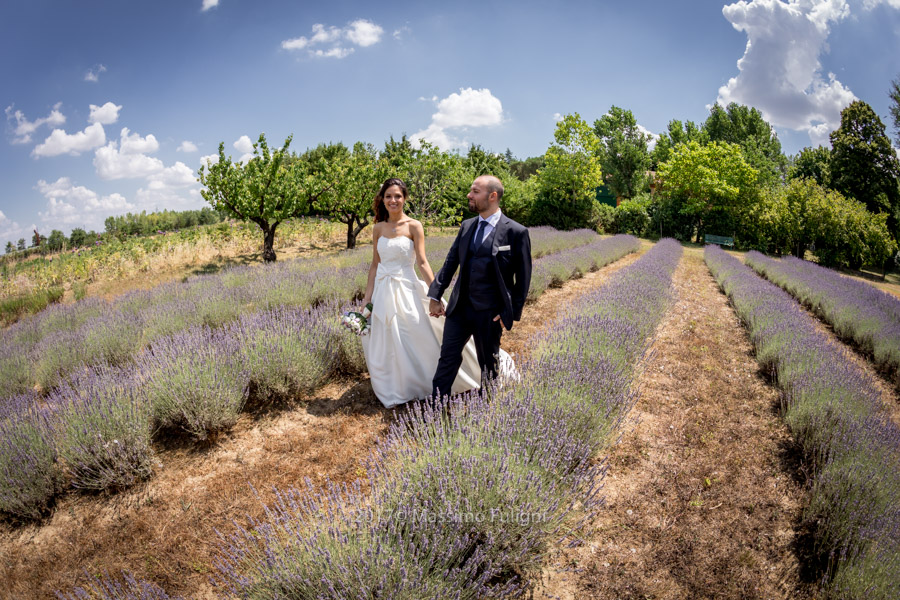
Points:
(494, 280)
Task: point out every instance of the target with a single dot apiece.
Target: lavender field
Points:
(858, 312)
(849, 442)
(189, 357)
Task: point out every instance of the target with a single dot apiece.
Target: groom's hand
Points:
(436, 308)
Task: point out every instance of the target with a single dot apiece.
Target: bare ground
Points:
(703, 493)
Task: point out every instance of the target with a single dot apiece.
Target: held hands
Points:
(436, 308)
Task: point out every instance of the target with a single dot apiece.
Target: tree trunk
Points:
(351, 238)
(269, 242)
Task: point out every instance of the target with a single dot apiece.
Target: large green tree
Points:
(714, 181)
(268, 189)
(56, 240)
(570, 176)
(623, 152)
(746, 127)
(894, 94)
(863, 164)
(676, 133)
(10, 247)
(812, 163)
(357, 177)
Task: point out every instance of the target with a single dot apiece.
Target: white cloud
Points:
(208, 4)
(177, 176)
(364, 33)
(113, 164)
(135, 144)
(336, 52)
(60, 142)
(870, 4)
(401, 32)
(209, 159)
(24, 128)
(360, 32)
(557, 117)
(69, 204)
(93, 74)
(187, 146)
(468, 108)
(106, 114)
(780, 73)
(244, 144)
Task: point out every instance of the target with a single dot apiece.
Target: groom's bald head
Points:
(492, 184)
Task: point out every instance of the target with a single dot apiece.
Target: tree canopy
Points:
(624, 157)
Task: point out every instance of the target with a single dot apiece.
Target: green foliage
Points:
(524, 169)
(812, 163)
(805, 216)
(357, 175)
(676, 134)
(56, 240)
(269, 188)
(864, 166)
(10, 247)
(149, 224)
(13, 308)
(623, 153)
(632, 216)
(567, 182)
(78, 237)
(745, 126)
(894, 94)
(714, 183)
(604, 216)
(518, 198)
(20, 245)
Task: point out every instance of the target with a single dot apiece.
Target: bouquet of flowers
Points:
(358, 322)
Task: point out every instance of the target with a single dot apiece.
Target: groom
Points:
(494, 256)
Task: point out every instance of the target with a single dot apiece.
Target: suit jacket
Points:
(512, 265)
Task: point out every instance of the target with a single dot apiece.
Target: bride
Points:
(404, 342)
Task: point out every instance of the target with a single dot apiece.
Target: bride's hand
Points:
(436, 308)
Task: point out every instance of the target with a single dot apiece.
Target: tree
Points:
(77, 237)
(37, 239)
(56, 240)
(812, 163)
(894, 94)
(570, 176)
(269, 188)
(20, 245)
(435, 180)
(357, 177)
(745, 126)
(10, 247)
(715, 181)
(864, 166)
(676, 134)
(623, 153)
(524, 169)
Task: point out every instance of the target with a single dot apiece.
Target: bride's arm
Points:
(418, 235)
(370, 284)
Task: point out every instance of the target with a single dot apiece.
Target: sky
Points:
(112, 106)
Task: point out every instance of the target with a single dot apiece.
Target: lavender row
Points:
(192, 377)
(556, 269)
(835, 413)
(857, 311)
(466, 496)
(94, 431)
(43, 350)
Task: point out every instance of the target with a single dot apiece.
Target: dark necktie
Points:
(479, 235)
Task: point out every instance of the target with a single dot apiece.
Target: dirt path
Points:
(165, 530)
(703, 495)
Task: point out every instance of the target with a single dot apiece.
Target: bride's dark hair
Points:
(381, 213)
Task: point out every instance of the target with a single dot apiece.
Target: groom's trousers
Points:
(464, 323)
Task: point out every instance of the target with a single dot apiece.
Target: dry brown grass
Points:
(703, 497)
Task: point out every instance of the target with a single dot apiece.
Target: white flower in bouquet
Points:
(358, 322)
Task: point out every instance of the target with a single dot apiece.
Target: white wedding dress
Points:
(404, 343)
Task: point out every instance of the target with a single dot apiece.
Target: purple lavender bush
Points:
(195, 381)
(835, 413)
(464, 500)
(288, 351)
(29, 474)
(125, 587)
(104, 429)
(857, 311)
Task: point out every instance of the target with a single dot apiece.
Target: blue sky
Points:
(111, 106)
